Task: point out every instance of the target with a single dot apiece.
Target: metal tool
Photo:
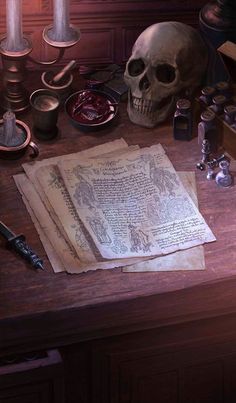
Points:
(215, 161)
(210, 172)
(208, 163)
(205, 155)
(61, 74)
(17, 242)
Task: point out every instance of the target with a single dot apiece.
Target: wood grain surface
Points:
(43, 308)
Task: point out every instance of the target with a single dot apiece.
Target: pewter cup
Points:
(45, 105)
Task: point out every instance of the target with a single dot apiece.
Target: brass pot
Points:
(63, 89)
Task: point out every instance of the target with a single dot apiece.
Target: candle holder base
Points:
(15, 152)
(26, 47)
(73, 35)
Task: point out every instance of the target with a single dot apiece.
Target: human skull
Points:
(168, 59)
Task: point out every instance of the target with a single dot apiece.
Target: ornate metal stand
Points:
(15, 96)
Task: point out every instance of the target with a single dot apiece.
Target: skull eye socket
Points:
(136, 67)
(165, 73)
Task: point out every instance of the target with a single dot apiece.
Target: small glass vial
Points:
(210, 173)
(230, 114)
(224, 178)
(182, 123)
(207, 95)
(223, 88)
(207, 130)
(219, 102)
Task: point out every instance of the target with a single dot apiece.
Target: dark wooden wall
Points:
(108, 27)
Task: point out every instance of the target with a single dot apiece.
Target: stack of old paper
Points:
(115, 206)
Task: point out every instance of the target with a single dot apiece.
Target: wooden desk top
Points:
(45, 308)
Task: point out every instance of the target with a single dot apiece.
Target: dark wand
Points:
(18, 243)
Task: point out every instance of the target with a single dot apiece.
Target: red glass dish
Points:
(91, 109)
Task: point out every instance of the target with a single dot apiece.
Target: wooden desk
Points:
(128, 335)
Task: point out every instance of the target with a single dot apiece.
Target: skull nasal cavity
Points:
(136, 67)
(165, 73)
(144, 84)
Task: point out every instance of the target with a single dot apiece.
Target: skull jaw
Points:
(149, 119)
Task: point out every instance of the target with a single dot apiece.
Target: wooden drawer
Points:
(36, 378)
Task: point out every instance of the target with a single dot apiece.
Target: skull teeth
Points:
(147, 107)
(142, 105)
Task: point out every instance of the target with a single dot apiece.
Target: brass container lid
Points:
(208, 116)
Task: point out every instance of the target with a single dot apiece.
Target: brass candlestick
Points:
(15, 96)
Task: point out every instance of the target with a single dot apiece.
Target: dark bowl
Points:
(91, 110)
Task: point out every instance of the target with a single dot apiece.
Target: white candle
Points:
(61, 20)
(14, 38)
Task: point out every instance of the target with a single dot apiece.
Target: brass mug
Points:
(45, 106)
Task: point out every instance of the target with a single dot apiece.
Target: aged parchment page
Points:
(134, 205)
(51, 236)
(55, 260)
(60, 246)
(189, 259)
(31, 168)
(58, 200)
(60, 254)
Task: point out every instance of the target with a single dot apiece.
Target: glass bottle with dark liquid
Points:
(182, 122)
(207, 130)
